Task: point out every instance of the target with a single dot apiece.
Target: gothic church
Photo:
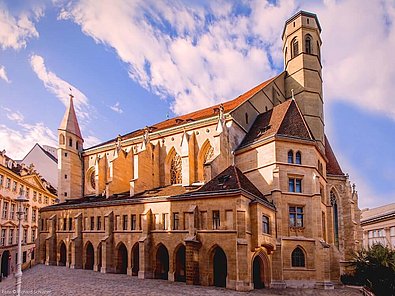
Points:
(246, 194)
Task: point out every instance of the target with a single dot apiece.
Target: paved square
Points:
(59, 280)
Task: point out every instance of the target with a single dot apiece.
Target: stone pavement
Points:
(59, 280)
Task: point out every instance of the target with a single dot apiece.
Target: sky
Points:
(134, 63)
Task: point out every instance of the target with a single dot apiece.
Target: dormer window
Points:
(308, 44)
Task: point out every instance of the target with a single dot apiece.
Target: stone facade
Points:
(246, 194)
(15, 180)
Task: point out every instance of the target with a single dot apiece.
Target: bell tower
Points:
(303, 80)
(69, 156)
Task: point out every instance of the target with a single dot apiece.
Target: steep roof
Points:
(70, 122)
(284, 119)
(52, 157)
(229, 180)
(332, 166)
(196, 115)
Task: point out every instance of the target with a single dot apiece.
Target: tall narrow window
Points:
(125, 222)
(70, 224)
(64, 224)
(216, 220)
(298, 259)
(298, 158)
(318, 51)
(176, 221)
(265, 224)
(175, 170)
(295, 47)
(92, 223)
(133, 222)
(307, 44)
(70, 142)
(165, 218)
(246, 117)
(323, 226)
(335, 218)
(290, 156)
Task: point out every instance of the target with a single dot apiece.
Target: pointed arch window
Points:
(295, 47)
(308, 44)
(298, 158)
(209, 154)
(175, 170)
(290, 156)
(62, 140)
(298, 258)
(335, 218)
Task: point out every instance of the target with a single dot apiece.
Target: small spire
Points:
(70, 122)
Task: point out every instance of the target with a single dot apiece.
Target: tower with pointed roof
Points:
(69, 155)
(302, 61)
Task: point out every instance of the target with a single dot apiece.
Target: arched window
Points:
(298, 158)
(208, 156)
(297, 257)
(307, 45)
(335, 218)
(295, 47)
(70, 142)
(61, 140)
(175, 170)
(290, 156)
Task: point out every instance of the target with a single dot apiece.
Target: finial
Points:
(71, 93)
(292, 93)
(353, 187)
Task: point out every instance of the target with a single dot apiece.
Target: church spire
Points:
(70, 122)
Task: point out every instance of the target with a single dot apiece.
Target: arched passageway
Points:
(220, 267)
(180, 270)
(135, 259)
(122, 259)
(89, 256)
(5, 265)
(62, 259)
(258, 273)
(162, 263)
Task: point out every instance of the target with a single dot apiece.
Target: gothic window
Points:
(307, 45)
(298, 158)
(175, 170)
(209, 154)
(295, 47)
(335, 218)
(298, 259)
(290, 156)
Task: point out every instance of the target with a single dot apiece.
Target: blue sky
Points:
(136, 62)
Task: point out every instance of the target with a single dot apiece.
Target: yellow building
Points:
(16, 180)
(246, 194)
(378, 226)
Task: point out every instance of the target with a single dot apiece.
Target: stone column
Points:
(108, 244)
(192, 261)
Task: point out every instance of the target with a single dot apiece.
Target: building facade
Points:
(246, 194)
(16, 180)
(45, 161)
(378, 226)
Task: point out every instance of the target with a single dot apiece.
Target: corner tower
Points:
(302, 58)
(69, 156)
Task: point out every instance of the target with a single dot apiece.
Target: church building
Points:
(246, 194)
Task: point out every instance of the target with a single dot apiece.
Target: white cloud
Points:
(60, 87)
(90, 141)
(17, 30)
(200, 58)
(117, 108)
(3, 74)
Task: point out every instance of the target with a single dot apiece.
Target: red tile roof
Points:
(196, 115)
(332, 167)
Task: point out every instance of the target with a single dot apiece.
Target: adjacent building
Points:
(45, 161)
(15, 180)
(379, 226)
(245, 194)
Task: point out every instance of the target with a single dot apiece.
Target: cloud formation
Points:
(117, 108)
(3, 74)
(17, 30)
(60, 88)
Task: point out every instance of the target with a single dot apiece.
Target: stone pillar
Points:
(145, 262)
(107, 244)
(324, 282)
(243, 269)
(192, 246)
(277, 269)
(76, 243)
(51, 241)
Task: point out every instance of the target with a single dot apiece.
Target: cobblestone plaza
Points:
(59, 280)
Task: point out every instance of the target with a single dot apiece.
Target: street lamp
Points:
(18, 275)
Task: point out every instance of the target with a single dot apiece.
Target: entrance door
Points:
(122, 263)
(62, 260)
(162, 263)
(220, 267)
(257, 273)
(180, 275)
(136, 259)
(89, 256)
(5, 263)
